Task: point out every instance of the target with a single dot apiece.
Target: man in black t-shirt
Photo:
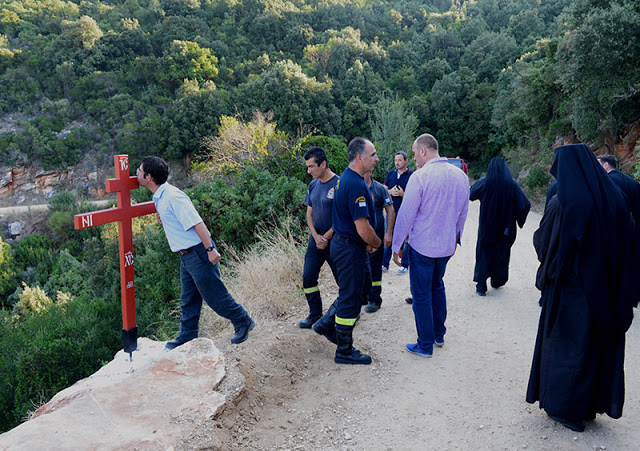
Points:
(319, 202)
(396, 182)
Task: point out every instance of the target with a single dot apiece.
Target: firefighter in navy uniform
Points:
(319, 202)
(381, 202)
(354, 236)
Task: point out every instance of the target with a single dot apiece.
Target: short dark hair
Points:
(157, 168)
(317, 153)
(356, 147)
(609, 159)
(404, 154)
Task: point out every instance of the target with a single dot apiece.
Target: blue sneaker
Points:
(415, 349)
(385, 268)
(403, 270)
(439, 343)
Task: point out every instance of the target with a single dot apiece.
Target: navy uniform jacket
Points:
(352, 201)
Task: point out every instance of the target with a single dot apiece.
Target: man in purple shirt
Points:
(433, 214)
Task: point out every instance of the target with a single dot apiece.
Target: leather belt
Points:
(350, 241)
(185, 251)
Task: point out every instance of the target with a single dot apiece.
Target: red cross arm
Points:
(144, 208)
(101, 217)
(96, 218)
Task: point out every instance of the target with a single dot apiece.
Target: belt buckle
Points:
(184, 251)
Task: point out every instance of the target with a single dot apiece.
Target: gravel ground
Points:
(286, 392)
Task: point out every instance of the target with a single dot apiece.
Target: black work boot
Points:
(242, 331)
(372, 307)
(346, 353)
(308, 321)
(327, 325)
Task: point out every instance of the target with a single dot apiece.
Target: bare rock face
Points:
(157, 401)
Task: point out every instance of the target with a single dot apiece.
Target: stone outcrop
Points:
(23, 184)
(157, 401)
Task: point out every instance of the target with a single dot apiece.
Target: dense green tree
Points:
(597, 66)
(461, 110)
(489, 54)
(187, 60)
(393, 128)
(192, 117)
(295, 99)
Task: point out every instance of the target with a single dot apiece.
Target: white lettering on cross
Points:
(87, 221)
(124, 163)
(128, 259)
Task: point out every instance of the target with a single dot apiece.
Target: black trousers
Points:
(375, 262)
(354, 280)
(314, 258)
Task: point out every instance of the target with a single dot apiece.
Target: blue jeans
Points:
(429, 298)
(200, 280)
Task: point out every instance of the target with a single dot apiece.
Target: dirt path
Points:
(470, 395)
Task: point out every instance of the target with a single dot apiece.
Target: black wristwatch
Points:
(209, 249)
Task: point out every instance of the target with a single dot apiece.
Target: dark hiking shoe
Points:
(352, 357)
(177, 342)
(408, 300)
(326, 330)
(372, 307)
(308, 321)
(242, 332)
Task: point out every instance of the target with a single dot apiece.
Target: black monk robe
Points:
(502, 206)
(583, 246)
(631, 190)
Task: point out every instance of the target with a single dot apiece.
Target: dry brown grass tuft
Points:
(267, 278)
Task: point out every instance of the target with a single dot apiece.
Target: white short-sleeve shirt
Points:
(178, 217)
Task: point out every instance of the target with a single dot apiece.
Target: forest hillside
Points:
(232, 92)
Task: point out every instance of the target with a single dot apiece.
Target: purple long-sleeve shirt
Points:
(434, 209)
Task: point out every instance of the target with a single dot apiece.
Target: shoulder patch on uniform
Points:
(361, 201)
(330, 194)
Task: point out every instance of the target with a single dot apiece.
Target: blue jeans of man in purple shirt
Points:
(429, 298)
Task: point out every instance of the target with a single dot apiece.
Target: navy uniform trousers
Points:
(314, 258)
(375, 262)
(354, 280)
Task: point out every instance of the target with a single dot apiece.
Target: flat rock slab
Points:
(152, 402)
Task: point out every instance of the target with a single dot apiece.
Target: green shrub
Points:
(255, 199)
(538, 178)
(335, 148)
(46, 352)
(7, 270)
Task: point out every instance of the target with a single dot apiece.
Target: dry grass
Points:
(266, 279)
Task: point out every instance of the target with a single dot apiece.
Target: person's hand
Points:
(371, 249)
(397, 256)
(214, 256)
(400, 191)
(394, 191)
(321, 241)
(388, 238)
(158, 218)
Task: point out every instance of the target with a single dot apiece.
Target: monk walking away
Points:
(189, 237)
(587, 293)
(502, 206)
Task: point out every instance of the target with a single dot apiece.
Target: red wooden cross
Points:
(123, 213)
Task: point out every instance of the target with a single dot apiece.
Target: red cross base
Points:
(123, 214)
